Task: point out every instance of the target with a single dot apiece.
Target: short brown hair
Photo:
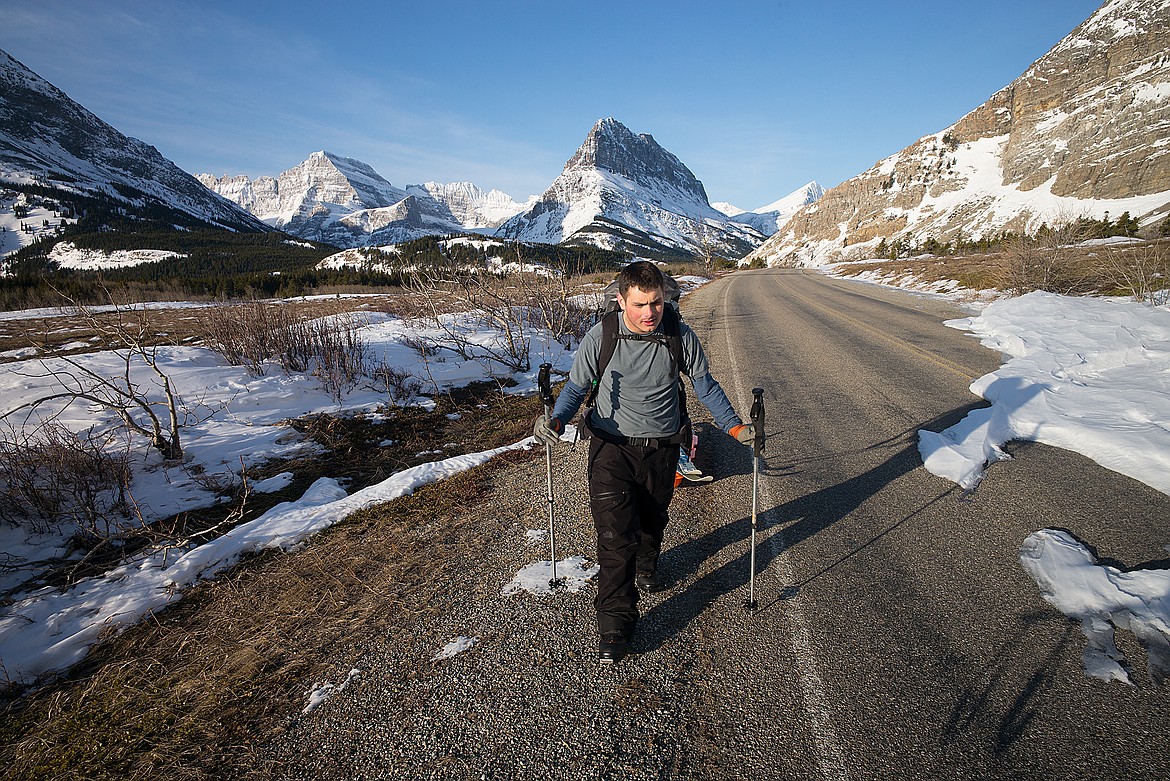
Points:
(641, 274)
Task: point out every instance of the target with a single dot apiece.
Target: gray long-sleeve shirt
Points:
(638, 397)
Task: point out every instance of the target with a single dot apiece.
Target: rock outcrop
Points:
(1085, 131)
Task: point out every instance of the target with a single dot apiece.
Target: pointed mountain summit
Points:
(345, 202)
(610, 146)
(624, 191)
(48, 139)
(1081, 133)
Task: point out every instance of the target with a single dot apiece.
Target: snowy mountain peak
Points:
(622, 190)
(768, 219)
(810, 193)
(362, 183)
(611, 146)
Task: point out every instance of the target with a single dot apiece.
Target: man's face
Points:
(641, 309)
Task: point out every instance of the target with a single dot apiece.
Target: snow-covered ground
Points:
(39, 221)
(233, 418)
(1087, 374)
(1093, 376)
(68, 255)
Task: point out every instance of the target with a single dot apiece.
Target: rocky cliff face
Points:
(1082, 132)
(471, 206)
(624, 191)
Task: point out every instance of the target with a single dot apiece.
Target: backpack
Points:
(670, 291)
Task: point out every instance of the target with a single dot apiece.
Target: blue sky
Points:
(756, 98)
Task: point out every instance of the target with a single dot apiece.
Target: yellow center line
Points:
(951, 366)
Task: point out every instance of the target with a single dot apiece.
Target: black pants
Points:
(630, 488)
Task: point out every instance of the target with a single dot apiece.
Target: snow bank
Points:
(1103, 599)
(52, 630)
(1085, 374)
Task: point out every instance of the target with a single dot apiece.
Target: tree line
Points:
(1084, 227)
(221, 264)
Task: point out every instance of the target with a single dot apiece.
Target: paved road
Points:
(897, 635)
(895, 607)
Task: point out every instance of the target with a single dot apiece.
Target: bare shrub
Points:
(1047, 262)
(397, 384)
(511, 304)
(254, 334)
(245, 334)
(53, 478)
(336, 352)
(487, 301)
(1141, 272)
(550, 306)
(130, 335)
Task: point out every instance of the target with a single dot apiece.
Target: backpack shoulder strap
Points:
(609, 337)
(672, 330)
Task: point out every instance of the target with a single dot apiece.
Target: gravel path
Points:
(529, 697)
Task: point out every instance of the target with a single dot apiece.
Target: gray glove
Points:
(548, 430)
(745, 433)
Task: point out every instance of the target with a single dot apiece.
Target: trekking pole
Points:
(545, 384)
(757, 415)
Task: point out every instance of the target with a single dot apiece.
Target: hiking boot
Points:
(613, 648)
(649, 583)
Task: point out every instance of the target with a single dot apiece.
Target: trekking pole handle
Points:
(757, 415)
(544, 381)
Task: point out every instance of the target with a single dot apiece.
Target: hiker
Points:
(626, 371)
(686, 469)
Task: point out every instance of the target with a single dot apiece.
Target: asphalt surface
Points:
(896, 634)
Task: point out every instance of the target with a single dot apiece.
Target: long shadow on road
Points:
(802, 518)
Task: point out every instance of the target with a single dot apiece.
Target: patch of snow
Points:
(573, 574)
(1085, 374)
(454, 648)
(1104, 599)
(323, 691)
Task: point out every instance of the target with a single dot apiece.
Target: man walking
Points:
(626, 371)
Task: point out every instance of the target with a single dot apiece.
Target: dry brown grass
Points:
(1105, 270)
(170, 325)
(973, 272)
(193, 692)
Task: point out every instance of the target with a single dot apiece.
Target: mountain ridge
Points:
(345, 202)
(770, 218)
(1080, 133)
(47, 137)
